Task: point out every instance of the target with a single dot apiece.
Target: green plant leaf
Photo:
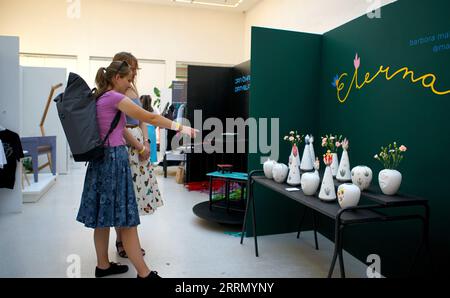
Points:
(157, 92)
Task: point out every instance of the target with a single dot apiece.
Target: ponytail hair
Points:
(104, 77)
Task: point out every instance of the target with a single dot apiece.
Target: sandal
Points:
(121, 251)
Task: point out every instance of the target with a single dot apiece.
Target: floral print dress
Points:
(148, 196)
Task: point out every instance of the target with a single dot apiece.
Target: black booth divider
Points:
(220, 92)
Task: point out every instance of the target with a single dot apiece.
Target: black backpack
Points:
(78, 115)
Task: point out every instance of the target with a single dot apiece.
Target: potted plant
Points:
(294, 160)
(389, 178)
(327, 191)
(157, 102)
(331, 143)
(295, 139)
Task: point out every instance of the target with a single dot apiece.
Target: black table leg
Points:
(165, 165)
(427, 236)
(227, 194)
(425, 241)
(254, 222)
(336, 248)
(244, 224)
(315, 229)
(341, 245)
(210, 192)
(301, 222)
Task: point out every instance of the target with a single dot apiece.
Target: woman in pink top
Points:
(108, 198)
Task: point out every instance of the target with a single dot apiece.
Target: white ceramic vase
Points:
(348, 195)
(334, 165)
(307, 162)
(389, 181)
(343, 173)
(291, 157)
(311, 149)
(268, 167)
(327, 191)
(362, 177)
(294, 168)
(280, 172)
(310, 183)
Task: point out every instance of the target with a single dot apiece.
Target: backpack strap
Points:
(114, 124)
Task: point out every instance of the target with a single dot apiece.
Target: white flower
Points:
(298, 136)
(392, 150)
(291, 139)
(332, 138)
(376, 156)
(286, 137)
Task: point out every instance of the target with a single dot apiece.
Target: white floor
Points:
(38, 242)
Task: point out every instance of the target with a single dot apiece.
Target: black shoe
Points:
(115, 268)
(153, 274)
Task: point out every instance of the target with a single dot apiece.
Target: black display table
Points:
(343, 217)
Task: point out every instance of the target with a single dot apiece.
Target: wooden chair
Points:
(42, 145)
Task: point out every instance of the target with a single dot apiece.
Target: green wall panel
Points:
(285, 68)
(395, 110)
(292, 74)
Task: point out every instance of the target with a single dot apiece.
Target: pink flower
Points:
(357, 61)
(338, 144)
(324, 142)
(345, 144)
(403, 148)
(294, 150)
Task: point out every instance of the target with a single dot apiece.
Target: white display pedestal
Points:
(34, 192)
(10, 113)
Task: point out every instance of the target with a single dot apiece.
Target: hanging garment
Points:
(3, 161)
(13, 153)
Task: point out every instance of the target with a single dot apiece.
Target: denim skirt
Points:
(108, 198)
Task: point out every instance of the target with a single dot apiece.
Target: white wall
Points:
(161, 32)
(10, 113)
(165, 33)
(106, 27)
(36, 84)
(312, 16)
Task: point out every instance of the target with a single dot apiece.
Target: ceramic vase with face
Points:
(294, 168)
(327, 191)
(343, 173)
(307, 162)
(268, 167)
(389, 181)
(280, 172)
(334, 165)
(311, 181)
(348, 195)
(362, 177)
